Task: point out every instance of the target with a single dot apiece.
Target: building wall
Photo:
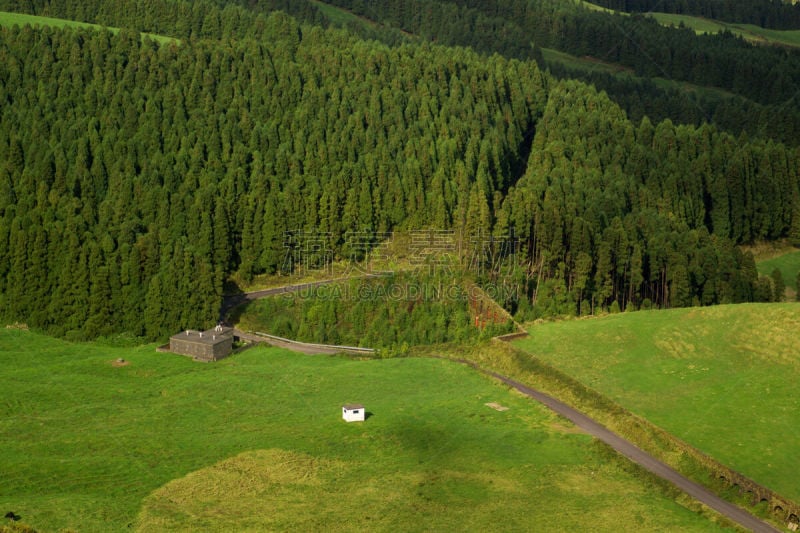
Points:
(190, 348)
(223, 349)
(205, 346)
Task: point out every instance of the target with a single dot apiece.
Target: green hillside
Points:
(257, 442)
(721, 378)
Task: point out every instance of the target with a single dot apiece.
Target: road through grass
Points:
(723, 378)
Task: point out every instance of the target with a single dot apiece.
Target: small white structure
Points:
(353, 412)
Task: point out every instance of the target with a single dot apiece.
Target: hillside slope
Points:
(722, 378)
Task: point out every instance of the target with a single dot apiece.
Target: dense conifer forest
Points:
(136, 177)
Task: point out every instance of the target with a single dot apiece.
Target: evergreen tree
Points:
(778, 285)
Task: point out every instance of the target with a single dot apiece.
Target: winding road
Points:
(637, 455)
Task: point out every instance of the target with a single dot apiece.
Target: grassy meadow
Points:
(256, 442)
(724, 379)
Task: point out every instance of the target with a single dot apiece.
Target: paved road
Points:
(637, 455)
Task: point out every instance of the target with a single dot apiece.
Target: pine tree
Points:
(797, 285)
(778, 285)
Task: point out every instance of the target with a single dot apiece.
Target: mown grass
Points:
(724, 379)
(256, 442)
(11, 19)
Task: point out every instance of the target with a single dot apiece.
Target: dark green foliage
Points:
(778, 285)
(767, 75)
(797, 284)
(182, 19)
(389, 312)
(638, 203)
(641, 97)
(141, 176)
(783, 15)
(136, 178)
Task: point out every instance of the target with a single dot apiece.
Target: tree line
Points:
(613, 214)
(764, 77)
(138, 177)
(775, 14)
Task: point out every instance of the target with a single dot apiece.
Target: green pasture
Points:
(724, 379)
(19, 19)
(256, 442)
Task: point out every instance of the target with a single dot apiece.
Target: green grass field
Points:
(788, 264)
(723, 379)
(256, 442)
(19, 19)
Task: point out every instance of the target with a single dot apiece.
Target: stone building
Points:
(211, 345)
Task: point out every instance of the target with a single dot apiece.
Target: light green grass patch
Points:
(698, 24)
(750, 32)
(595, 7)
(19, 19)
(250, 442)
(701, 25)
(723, 378)
(338, 16)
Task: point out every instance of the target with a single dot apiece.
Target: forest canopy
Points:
(137, 177)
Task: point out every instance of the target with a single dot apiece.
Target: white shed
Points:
(353, 412)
